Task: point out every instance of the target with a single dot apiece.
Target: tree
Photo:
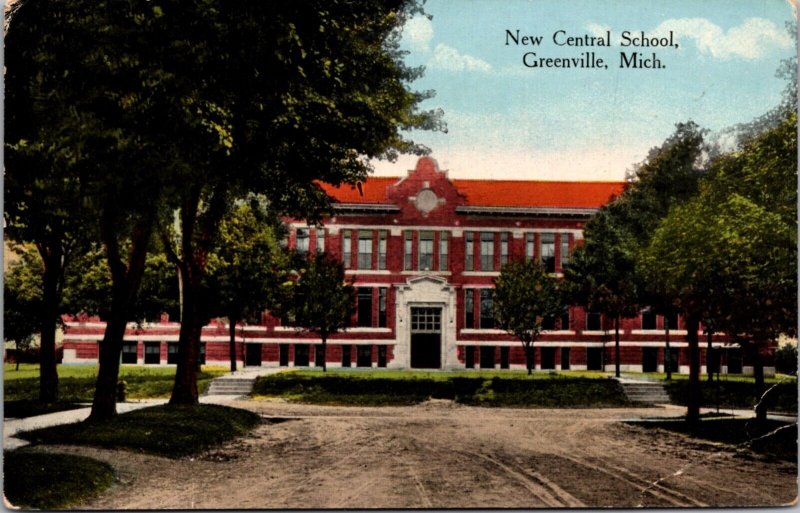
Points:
(304, 92)
(601, 273)
(22, 301)
(247, 268)
(324, 303)
(524, 296)
(749, 277)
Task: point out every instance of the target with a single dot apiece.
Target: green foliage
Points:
(786, 359)
(524, 296)
(170, 430)
(37, 480)
(324, 303)
(77, 381)
(385, 388)
(247, 267)
(22, 299)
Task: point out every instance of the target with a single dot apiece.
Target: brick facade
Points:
(427, 247)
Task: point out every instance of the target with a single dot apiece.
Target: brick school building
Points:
(423, 251)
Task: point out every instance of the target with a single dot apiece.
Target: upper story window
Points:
(425, 251)
(302, 241)
(347, 246)
(565, 318)
(648, 319)
(469, 308)
(469, 251)
(365, 249)
(672, 319)
(407, 254)
(320, 239)
(382, 307)
(382, 249)
(593, 321)
(564, 249)
(364, 307)
(547, 250)
(443, 249)
(487, 251)
(487, 309)
(529, 241)
(503, 248)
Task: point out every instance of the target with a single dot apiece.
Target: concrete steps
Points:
(231, 385)
(645, 392)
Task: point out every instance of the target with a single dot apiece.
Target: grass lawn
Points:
(52, 481)
(171, 431)
(364, 387)
(737, 431)
(76, 385)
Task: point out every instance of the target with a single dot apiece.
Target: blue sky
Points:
(509, 121)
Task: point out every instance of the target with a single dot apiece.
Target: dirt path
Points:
(443, 455)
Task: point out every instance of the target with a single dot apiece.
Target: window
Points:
(300, 355)
(283, 355)
(469, 308)
(487, 357)
(407, 255)
(425, 251)
(382, 249)
(547, 250)
(364, 307)
(152, 352)
(319, 355)
(347, 249)
(469, 357)
(320, 240)
(565, 318)
(529, 240)
(548, 358)
(301, 242)
(564, 249)
(443, 240)
(469, 252)
(172, 352)
(593, 321)
(549, 323)
(672, 319)
(503, 248)
(648, 319)
(365, 250)
(381, 356)
(346, 356)
(201, 357)
(487, 251)
(426, 320)
(504, 357)
(487, 315)
(564, 358)
(594, 358)
(382, 307)
(129, 352)
(364, 356)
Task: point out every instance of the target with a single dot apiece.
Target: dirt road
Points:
(443, 455)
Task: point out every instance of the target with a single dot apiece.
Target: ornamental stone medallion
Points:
(426, 201)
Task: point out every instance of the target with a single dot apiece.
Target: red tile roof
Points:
(496, 193)
(518, 193)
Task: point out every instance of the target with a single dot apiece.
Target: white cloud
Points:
(597, 29)
(418, 32)
(448, 58)
(750, 40)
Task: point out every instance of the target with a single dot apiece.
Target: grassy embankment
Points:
(76, 385)
(485, 388)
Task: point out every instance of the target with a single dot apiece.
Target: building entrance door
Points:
(426, 338)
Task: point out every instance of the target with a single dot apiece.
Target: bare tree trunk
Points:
(232, 331)
(616, 346)
(48, 374)
(184, 390)
(708, 355)
(667, 354)
(104, 405)
(694, 400)
(324, 353)
(758, 375)
(528, 356)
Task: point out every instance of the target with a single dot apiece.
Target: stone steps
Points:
(231, 386)
(645, 393)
